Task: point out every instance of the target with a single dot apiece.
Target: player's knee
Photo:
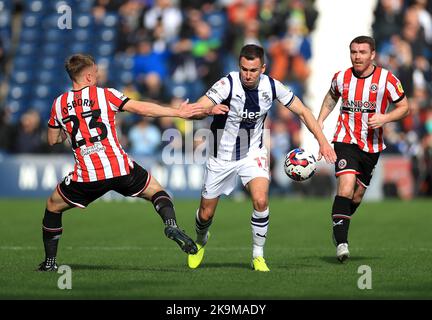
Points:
(346, 191)
(205, 214)
(260, 203)
(51, 205)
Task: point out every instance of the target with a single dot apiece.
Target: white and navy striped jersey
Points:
(240, 131)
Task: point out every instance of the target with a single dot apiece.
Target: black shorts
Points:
(81, 194)
(351, 159)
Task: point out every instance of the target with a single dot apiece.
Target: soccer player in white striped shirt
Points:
(238, 146)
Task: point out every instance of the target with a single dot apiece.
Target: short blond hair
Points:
(76, 63)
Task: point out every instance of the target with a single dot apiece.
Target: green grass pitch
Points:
(118, 250)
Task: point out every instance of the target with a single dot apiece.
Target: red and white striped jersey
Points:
(361, 99)
(88, 116)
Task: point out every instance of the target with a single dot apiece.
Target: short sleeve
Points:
(219, 91)
(53, 121)
(334, 89)
(283, 94)
(395, 91)
(116, 98)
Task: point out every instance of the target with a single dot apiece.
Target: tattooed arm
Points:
(327, 107)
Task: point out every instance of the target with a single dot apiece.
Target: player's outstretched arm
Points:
(311, 123)
(210, 108)
(398, 113)
(150, 109)
(327, 107)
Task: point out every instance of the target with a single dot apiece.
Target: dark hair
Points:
(77, 63)
(251, 52)
(364, 39)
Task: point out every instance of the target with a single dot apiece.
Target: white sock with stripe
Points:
(259, 224)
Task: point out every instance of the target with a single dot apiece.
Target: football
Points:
(299, 164)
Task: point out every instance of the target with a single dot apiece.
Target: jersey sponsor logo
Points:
(359, 106)
(373, 88)
(342, 163)
(250, 116)
(97, 147)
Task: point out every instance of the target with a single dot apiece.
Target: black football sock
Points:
(341, 215)
(51, 233)
(201, 228)
(164, 206)
(354, 207)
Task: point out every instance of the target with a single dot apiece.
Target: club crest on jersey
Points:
(266, 97)
(342, 163)
(373, 88)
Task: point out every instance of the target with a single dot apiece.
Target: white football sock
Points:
(259, 224)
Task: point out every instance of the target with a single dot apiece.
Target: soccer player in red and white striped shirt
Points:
(367, 91)
(86, 114)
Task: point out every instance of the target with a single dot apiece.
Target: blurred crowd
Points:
(403, 34)
(177, 49)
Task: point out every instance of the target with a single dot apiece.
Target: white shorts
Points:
(220, 176)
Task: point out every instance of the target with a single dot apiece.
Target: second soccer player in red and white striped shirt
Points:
(367, 91)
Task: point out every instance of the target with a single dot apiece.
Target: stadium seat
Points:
(22, 63)
(126, 77)
(22, 77)
(36, 6)
(84, 6)
(52, 48)
(31, 20)
(50, 22)
(105, 49)
(17, 92)
(54, 35)
(83, 20)
(30, 35)
(110, 20)
(42, 91)
(80, 47)
(108, 35)
(26, 49)
(46, 76)
(82, 34)
(50, 62)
